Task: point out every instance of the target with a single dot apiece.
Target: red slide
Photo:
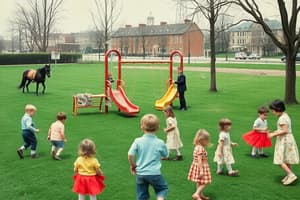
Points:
(122, 102)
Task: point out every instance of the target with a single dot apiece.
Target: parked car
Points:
(283, 58)
(253, 56)
(240, 55)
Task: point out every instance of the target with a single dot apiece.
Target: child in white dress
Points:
(286, 150)
(173, 141)
(223, 154)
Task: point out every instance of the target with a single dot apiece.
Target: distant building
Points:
(158, 40)
(250, 37)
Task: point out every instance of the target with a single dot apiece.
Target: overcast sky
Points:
(77, 15)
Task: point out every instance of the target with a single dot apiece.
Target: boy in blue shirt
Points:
(28, 132)
(145, 156)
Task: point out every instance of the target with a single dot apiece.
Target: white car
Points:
(240, 55)
(253, 56)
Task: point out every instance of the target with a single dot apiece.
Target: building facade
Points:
(159, 40)
(250, 37)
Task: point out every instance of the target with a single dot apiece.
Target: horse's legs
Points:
(28, 82)
(37, 88)
(44, 87)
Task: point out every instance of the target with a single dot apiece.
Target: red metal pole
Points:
(171, 64)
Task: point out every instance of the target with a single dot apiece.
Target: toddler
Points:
(223, 154)
(173, 136)
(199, 170)
(28, 132)
(56, 135)
(258, 137)
(145, 156)
(88, 178)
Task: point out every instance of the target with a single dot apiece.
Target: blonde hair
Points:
(169, 111)
(201, 135)
(30, 107)
(87, 148)
(224, 122)
(150, 123)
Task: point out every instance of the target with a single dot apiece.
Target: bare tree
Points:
(290, 42)
(37, 18)
(105, 16)
(211, 10)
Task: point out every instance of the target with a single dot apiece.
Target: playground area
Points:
(237, 98)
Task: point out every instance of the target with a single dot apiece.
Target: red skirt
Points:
(257, 139)
(88, 185)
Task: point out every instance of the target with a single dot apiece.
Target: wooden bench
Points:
(97, 100)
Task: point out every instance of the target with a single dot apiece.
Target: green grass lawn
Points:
(237, 98)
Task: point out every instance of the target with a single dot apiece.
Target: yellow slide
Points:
(167, 99)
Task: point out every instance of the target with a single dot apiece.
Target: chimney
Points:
(163, 23)
(142, 25)
(128, 26)
(186, 21)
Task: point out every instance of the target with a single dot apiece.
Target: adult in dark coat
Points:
(181, 87)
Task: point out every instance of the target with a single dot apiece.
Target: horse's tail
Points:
(22, 84)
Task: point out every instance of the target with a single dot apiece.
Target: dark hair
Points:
(277, 105)
(224, 122)
(262, 110)
(61, 116)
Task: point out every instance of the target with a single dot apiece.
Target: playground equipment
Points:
(118, 95)
(171, 93)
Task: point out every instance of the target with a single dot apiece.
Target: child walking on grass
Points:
(56, 135)
(286, 151)
(199, 170)
(173, 136)
(144, 157)
(28, 132)
(88, 178)
(223, 154)
(258, 137)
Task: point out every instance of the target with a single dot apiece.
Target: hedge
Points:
(37, 58)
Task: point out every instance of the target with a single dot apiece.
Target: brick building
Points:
(158, 40)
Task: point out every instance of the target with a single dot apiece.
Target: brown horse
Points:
(38, 76)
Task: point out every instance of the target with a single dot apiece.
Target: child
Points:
(148, 151)
(258, 137)
(199, 170)
(181, 87)
(173, 136)
(88, 178)
(286, 150)
(56, 135)
(28, 132)
(223, 153)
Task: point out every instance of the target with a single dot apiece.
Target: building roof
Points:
(246, 26)
(152, 30)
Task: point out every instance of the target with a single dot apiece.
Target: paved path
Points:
(260, 72)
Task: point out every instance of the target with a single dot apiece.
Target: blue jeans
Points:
(156, 181)
(29, 139)
(57, 144)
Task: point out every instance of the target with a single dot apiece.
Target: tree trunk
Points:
(213, 82)
(290, 79)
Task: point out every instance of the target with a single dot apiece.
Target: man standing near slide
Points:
(181, 87)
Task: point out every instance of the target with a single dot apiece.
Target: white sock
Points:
(260, 151)
(81, 197)
(93, 197)
(53, 148)
(253, 153)
(22, 148)
(59, 151)
(178, 152)
(32, 152)
(220, 167)
(229, 168)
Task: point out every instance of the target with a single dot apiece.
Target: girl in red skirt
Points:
(199, 170)
(88, 178)
(258, 137)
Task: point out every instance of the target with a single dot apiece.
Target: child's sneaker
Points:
(57, 157)
(284, 179)
(219, 172)
(178, 158)
(263, 155)
(34, 156)
(20, 153)
(233, 173)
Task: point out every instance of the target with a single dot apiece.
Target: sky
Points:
(77, 13)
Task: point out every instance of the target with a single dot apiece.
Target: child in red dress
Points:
(199, 170)
(88, 178)
(258, 137)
